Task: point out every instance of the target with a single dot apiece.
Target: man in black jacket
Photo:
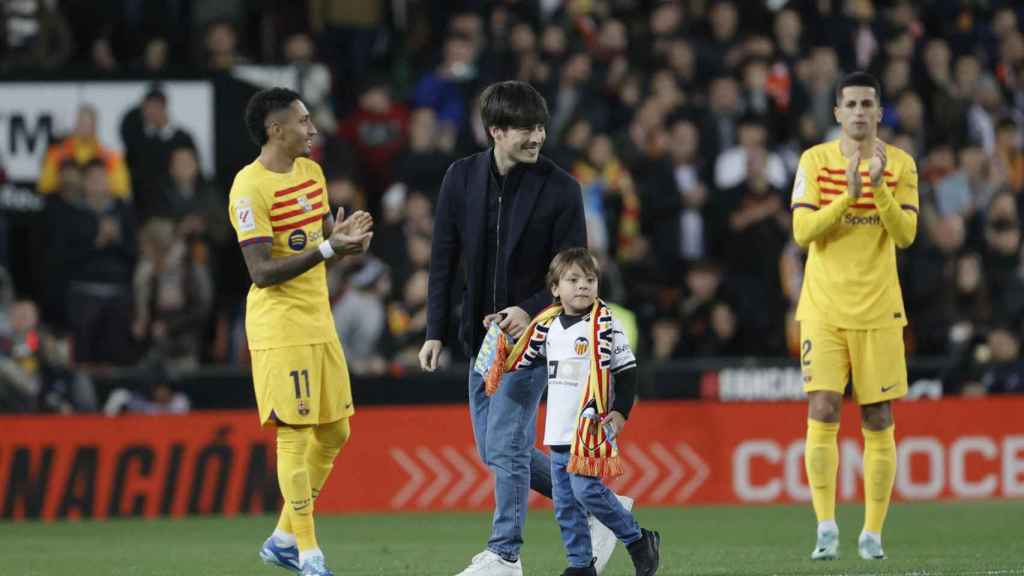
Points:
(503, 213)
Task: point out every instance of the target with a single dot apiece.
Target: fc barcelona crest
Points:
(581, 345)
(303, 408)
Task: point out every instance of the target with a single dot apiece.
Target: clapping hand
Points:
(853, 184)
(876, 166)
(351, 235)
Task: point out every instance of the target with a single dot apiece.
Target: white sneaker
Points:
(602, 539)
(870, 548)
(488, 563)
(827, 547)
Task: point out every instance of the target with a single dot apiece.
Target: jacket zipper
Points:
(497, 254)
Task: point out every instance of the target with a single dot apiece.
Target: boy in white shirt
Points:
(586, 353)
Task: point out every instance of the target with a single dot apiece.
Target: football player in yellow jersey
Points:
(854, 202)
(279, 208)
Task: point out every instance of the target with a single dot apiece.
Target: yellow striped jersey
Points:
(287, 211)
(850, 279)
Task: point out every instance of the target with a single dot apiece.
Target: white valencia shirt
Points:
(569, 351)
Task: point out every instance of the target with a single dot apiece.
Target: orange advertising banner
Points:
(423, 458)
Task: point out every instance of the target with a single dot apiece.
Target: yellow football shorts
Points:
(828, 355)
(302, 385)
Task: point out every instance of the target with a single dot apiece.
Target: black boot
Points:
(588, 571)
(644, 553)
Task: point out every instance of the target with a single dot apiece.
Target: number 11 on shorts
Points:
(295, 380)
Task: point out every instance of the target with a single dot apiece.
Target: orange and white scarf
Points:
(592, 453)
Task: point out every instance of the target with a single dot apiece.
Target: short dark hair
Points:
(156, 92)
(565, 259)
(263, 104)
(858, 79)
(512, 104)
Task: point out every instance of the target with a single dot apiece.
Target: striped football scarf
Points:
(591, 453)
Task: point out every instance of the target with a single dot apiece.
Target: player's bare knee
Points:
(824, 406)
(876, 416)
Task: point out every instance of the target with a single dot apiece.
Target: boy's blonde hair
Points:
(565, 260)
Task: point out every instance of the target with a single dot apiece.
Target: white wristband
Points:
(326, 250)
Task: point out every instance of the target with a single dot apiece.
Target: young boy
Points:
(586, 351)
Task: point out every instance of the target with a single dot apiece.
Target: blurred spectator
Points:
(376, 130)
(421, 164)
(610, 202)
(157, 396)
(82, 146)
(64, 390)
(946, 112)
(997, 366)
(361, 319)
(964, 190)
(149, 138)
(302, 73)
(195, 205)
(1002, 239)
(719, 132)
(573, 94)
(173, 296)
(709, 326)
(103, 59)
(221, 46)
(723, 50)
(350, 33)
(1009, 157)
(312, 80)
(789, 39)
(34, 35)
(407, 319)
(752, 138)
(19, 345)
(972, 305)
(98, 237)
(759, 227)
(60, 208)
(675, 199)
(443, 88)
(985, 109)
(818, 81)
(155, 56)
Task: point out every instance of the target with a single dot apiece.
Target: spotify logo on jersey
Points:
(297, 240)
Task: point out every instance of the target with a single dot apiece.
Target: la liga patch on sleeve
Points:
(243, 214)
(799, 185)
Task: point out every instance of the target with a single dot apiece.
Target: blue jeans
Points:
(575, 497)
(505, 426)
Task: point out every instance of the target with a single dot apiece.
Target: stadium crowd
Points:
(682, 120)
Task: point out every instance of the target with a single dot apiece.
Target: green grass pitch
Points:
(971, 538)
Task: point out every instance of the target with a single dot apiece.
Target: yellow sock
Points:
(879, 474)
(293, 477)
(327, 442)
(821, 458)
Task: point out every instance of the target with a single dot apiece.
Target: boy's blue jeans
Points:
(575, 496)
